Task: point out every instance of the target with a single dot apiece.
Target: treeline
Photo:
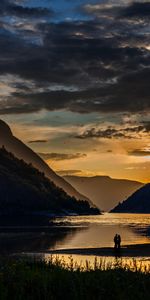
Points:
(138, 202)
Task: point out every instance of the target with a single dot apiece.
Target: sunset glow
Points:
(74, 84)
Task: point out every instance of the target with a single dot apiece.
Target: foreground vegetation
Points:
(21, 280)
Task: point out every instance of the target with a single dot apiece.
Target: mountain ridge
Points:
(138, 202)
(104, 191)
(25, 191)
(22, 151)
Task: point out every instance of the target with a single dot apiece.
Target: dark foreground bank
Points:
(141, 250)
(37, 280)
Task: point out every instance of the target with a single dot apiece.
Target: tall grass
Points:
(101, 263)
(40, 280)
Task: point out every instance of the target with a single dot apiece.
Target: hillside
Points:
(139, 202)
(24, 192)
(105, 192)
(20, 150)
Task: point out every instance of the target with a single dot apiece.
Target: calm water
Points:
(98, 231)
(77, 232)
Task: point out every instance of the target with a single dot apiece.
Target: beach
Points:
(141, 250)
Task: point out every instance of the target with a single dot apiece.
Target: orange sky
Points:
(75, 83)
(117, 157)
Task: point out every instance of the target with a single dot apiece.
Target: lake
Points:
(76, 232)
(95, 232)
(99, 231)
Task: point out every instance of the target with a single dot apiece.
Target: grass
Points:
(29, 280)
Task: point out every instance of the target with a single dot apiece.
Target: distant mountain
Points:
(24, 191)
(20, 150)
(105, 192)
(139, 202)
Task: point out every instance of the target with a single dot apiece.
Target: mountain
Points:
(24, 191)
(138, 202)
(105, 192)
(20, 150)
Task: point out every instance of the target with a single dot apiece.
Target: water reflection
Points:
(98, 231)
(33, 241)
(77, 232)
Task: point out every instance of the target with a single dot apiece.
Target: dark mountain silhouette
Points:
(25, 191)
(20, 150)
(105, 192)
(138, 202)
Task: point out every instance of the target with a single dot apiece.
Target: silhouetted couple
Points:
(117, 241)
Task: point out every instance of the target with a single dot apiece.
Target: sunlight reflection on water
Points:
(98, 231)
(107, 219)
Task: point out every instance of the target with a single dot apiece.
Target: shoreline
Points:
(141, 250)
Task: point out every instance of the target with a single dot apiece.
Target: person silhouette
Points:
(117, 241)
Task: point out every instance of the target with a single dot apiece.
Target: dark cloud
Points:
(129, 94)
(11, 8)
(107, 63)
(37, 141)
(61, 156)
(111, 132)
(139, 152)
(135, 129)
(146, 126)
(137, 10)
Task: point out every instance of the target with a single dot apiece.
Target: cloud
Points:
(107, 61)
(139, 152)
(146, 125)
(69, 172)
(137, 10)
(61, 156)
(37, 141)
(118, 97)
(111, 132)
(11, 8)
(127, 10)
(143, 168)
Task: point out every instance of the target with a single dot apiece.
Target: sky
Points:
(75, 83)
